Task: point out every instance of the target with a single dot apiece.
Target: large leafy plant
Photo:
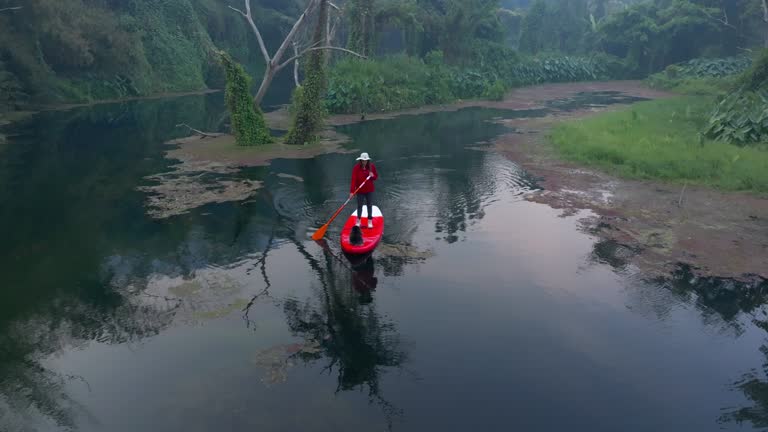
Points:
(740, 118)
(704, 68)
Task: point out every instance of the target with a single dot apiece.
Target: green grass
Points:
(661, 140)
(692, 86)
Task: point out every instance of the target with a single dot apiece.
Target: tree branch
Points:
(332, 33)
(720, 20)
(237, 10)
(332, 48)
(292, 33)
(249, 18)
(201, 133)
(296, 65)
(10, 8)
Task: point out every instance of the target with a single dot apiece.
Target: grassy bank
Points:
(661, 140)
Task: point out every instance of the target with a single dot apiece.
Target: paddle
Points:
(320, 233)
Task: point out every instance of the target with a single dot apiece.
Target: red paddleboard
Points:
(371, 236)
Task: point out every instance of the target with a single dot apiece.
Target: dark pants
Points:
(368, 199)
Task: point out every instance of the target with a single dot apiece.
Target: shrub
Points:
(495, 91)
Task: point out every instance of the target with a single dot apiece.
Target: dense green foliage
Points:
(648, 34)
(81, 50)
(662, 140)
(701, 76)
(398, 82)
(309, 108)
(741, 117)
(706, 67)
(248, 125)
(556, 26)
(362, 28)
(757, 76)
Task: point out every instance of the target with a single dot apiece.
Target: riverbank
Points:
(654, 226)
(663, 140)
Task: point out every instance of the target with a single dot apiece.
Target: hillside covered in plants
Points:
(422, 51)
(80, 50)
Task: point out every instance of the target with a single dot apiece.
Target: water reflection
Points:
(724, 304)
(29, 389)
(364, 280)
(351, 338)
(754, 385)
(84, 265)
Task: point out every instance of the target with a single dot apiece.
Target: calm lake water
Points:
(481, 311)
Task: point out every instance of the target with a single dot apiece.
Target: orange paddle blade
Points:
(319, 234)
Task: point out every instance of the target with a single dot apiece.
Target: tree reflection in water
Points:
(29, 390)
(342, 322)
(724, 303)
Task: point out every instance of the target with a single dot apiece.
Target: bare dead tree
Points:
(10, 8)
(275, 63)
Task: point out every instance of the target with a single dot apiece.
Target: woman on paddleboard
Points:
(364, 169)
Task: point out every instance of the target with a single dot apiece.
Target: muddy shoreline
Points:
(656, 227)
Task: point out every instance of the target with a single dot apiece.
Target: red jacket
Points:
(359, 174)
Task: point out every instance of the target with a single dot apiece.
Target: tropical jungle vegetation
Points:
(377, 55)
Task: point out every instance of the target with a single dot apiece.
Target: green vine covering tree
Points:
(248, 123)
(362, 28)
(309, 99)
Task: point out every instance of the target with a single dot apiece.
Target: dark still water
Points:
(481, 311)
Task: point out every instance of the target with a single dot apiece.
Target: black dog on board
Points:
(356, 236)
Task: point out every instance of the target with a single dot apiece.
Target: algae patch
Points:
(194, 184)
(277, 360)
(386, 250)
(208, 167)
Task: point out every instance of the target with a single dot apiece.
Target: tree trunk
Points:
(269, 75)
(309, 111)
(362, 27)
(765, 20)
(296, 65)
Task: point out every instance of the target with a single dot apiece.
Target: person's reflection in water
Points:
(364, 281)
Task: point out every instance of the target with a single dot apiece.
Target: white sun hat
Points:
(364, 157)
